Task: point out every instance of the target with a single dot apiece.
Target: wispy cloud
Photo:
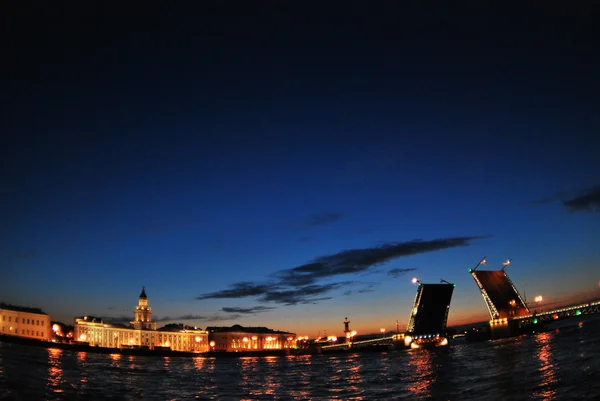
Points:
(397, 272)
(302, 295)
(208, 318)
(238, 290)
(246, 311)
(361, 260)
(586, 200)
(322, 219)
(300, 284)
(362, 290)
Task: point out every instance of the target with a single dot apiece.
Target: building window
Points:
(42, 322)
(37, 322)
(9, 318)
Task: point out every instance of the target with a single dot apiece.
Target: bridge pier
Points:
(502, 328)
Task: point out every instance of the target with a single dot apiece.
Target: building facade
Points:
(25, 322)
(142, 333)
(237, 338)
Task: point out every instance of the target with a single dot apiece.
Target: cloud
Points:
(397, 272)
(117, 319)
(363, 290)
(299, 285)
(246, 311)
(302, 295)
(238, 290)
(209, 318)
(361, 260)
(322, 219)
(587, 200)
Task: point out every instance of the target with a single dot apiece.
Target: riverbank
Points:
(78, 347)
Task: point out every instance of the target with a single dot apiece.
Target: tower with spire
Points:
(143, 314)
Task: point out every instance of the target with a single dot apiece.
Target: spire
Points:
(143, 294)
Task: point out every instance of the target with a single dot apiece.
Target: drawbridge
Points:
(429, 315)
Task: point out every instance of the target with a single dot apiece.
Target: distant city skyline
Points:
(274, 166)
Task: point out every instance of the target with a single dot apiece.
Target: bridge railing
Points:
(359, 344)
(568, 311)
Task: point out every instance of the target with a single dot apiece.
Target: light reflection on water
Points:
(55, 371)
(420, 363)
(547, 369)
(547, 366)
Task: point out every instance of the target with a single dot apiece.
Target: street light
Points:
(538, 299)
(382, 332)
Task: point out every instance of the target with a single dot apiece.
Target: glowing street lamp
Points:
(415, 280)
(382, 330)
(539, 300)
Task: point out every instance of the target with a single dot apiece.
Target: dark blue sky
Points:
(191, 150)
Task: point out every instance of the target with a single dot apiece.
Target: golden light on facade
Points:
(55, 328)
(254, 338)
(245, 339)
(198, 339)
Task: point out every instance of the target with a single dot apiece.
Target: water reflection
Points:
(299, 388)
(419, 363)
(114, 360)
(271, 385)
(198, 363)
(81, 361)
(55, 371)
(354, 377)
(548, 379)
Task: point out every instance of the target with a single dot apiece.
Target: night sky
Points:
(288, 166)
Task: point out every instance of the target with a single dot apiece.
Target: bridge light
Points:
(577, 312)
(535, 321)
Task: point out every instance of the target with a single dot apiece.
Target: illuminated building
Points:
(142, 333)
(238, 338)
(25, 322)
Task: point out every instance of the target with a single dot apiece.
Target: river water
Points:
(563, 364)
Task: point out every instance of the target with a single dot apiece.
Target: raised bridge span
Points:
(509, 314)
(426, 325)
